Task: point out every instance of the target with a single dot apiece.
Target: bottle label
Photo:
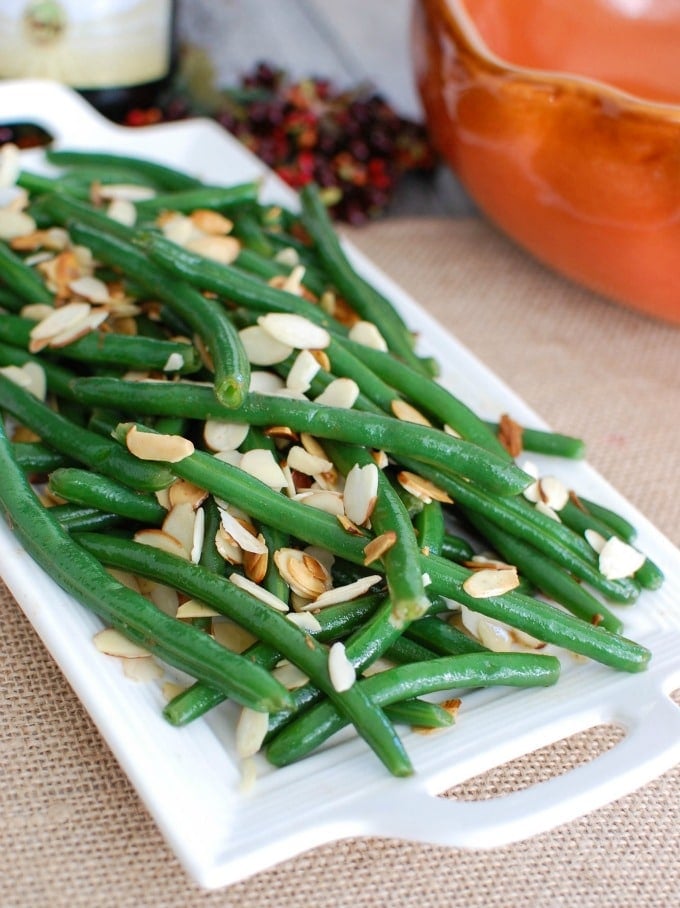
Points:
(87, 45)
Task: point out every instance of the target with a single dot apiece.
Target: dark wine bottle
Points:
(119, 54)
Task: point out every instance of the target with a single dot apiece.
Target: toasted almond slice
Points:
(302, 372)
(113, 643)
(595, 540)
(422, 488)
(341, 392)
(288, 256)
(367, 333)
(179, 523)
(348, 525)
(251, 729)
(142, 670)
(246, 540)
(211, 222)
(36, 312)
(265, 382)
(125, 577)
(323, 500)
(375, 668)
(163, 597)
(233, 458)
(451, 431)
(158, 539)
(381, 459)
(306, 621)
(170, 690)
(192, 608)
(259, 592)
(59, 320)
(16, 375)
(88, 324)
(340, 669)
(361, 490)
(490, 582)
(222, 249)
(182, 490)
(545, 509)
(325, 558)
(377, 547)
(91, 289)
(261, 348)
(133, 192)
(224, 436)
(407, 413)
(347, 592)
(15, 224)
(123, 212)
(553, 492)
(322, 359)
(163, 498)
(619, 560)
(151, 446)
(483, 562)
(255, 563)
(304, 574)
(310, 464)
(290, 676)
(283, 433)
(227, 548)
(198, 536)
(232, 635)
(295, 331)
(260, 463)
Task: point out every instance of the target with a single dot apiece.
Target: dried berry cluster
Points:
(352, 143)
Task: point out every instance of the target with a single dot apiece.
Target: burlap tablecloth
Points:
(72, 830)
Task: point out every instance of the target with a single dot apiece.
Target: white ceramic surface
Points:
(189, 778)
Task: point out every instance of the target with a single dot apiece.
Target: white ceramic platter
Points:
(189, 778)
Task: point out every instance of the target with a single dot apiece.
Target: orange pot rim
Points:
(462, 22)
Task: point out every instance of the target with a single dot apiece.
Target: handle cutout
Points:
(25, 135)
(540, 765)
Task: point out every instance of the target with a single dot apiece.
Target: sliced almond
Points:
(174, 362)
(222, 249)
(323, 500)
(349, 526)
(224, 436)
(262, 349)
(489, 582)
(88, 324)
(346, 593)
(340, 669)
(182, 490)
(198, 538)
(361, 491)
(251, 729)
(59, 320)
(230, 634)
(310, 464)
(595, 540)
(123, 212)
(295, 331)
(368, 334)
(547, 511)
(211, 222)
(125, 577)
(192, 608)
(377, 547)
(227, 548)
(619, 560)
(341, 392)
(302, 372)
(245, 539)
(407, 413)
(265, 382)
(113, 643)
(422, 488)
(306, 621)
(255, 563)
(36, 312)
(152, 446)
(305, 578)
(142, 670)
(14, 224)
(260, 463)
(510, 435)
(259, 592)
(179, 523)
(133, 192)
(91, 289)
(157, 539)
(10, 164)
(322, 359)
(290, 676)
(170, 690)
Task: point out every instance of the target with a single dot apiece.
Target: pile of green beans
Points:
(85, 502)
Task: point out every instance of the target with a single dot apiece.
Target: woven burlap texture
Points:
(73, 831)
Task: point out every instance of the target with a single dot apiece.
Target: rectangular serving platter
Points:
(189, 779)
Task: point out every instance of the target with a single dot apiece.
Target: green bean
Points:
(74, 519)
(36, 458)
(22, 279)
(93, 490)
(541, 620)
(366, 301)
(10, 301)
(228, 282)
(429, 396)
(333, 423)
(616, 523)
(335, 622)
(266, 623)
(210, 558)
(456, 548)
(548, 577)
(440, 636)
(133, 352)
(447, 673)
(579, 520)
(205, 316)
(248, 229)
(419, 714)
(215, 198)
(541, 441)
(166, 177)
(429, 527)
(81, 575)
(80, 444)
(404, 650)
